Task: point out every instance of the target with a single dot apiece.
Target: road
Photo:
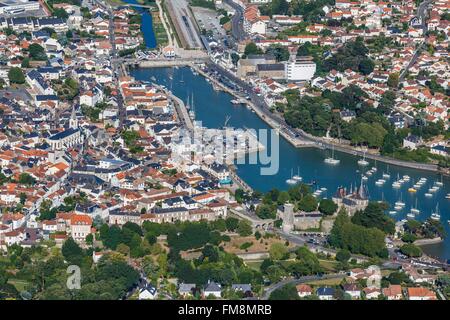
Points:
(422, 14)
(297, 281)
(115, 64)
(237, 28)
(166, 26)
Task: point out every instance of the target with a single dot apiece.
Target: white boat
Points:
(406, 178)
(291, 180)
(363, 162)
(428, 195)
(317, 193)
(396, 185)
(401, 181)
(447, 196)
(415, 210)
(417, 186)
(332, 160)
(379, 182)
(374, 169)
(398, 208)
(192, 108)
(432, 190)
(411, 215)
(297, 176)
(400, 202)
(435, 215)
(323, 189)
(439, 183)
(365, 178)
(386, 176)
(392, 212)
(369, 173)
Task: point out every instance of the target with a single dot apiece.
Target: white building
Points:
(302, 69)
(12, 7)
(148, 293)
(213, 289)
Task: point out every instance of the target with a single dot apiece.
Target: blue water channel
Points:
(213, 107)
(147, 25)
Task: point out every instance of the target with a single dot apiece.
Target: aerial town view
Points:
(224, 150)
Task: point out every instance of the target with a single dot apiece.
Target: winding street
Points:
(237, 29)
(297, 281)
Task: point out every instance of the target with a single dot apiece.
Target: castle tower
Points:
(288, 217)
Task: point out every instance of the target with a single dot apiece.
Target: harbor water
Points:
(213, 107)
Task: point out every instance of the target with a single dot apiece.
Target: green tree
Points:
(25, 63)
(306, 263)
(393, 80)
(327, 207)
(343, 256)
(244, 228)
(278, 251)
(72, 252)
(373, 216)
(15, 75)
(287, 292)
(281, 53)
(251, 48)
(366, 66)
(266, 211)
(37, 52)
(232, 223)
(60, 13)
(308, 203)
(411, 250)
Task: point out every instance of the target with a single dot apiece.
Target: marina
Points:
(212, 108)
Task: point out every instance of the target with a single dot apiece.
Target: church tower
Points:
(73, 122)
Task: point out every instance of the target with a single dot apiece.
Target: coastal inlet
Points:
(213, 107)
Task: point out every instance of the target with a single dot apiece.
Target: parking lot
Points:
(207, 19)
